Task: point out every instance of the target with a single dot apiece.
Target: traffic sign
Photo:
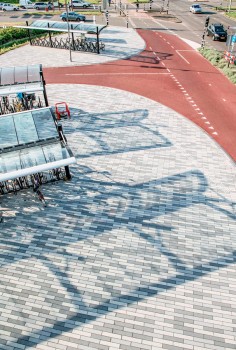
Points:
(234, 39)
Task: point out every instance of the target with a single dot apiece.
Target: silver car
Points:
(43, 6)
(195, 8)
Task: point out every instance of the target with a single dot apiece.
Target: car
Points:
(195, 8)
(26, 4)
(79, 3)
(217, 31)
(73, 16)
(43, 6)
(9, 7)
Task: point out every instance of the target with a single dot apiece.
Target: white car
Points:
(79, 3)
(195, 8)
(9, 7)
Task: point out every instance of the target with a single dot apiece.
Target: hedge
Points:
(217, 59)
(11, 38)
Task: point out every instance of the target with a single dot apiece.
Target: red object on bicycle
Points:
(62, 110)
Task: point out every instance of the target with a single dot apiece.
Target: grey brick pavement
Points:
(138, 250)
(119, 43)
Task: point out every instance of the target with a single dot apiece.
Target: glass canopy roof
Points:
(30, 143)
(26, 127)
(63, 27)
(20, 75)
(21, 79)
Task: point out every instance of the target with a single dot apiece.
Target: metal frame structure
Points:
(64, 27)
(22, 79)
(32, 142)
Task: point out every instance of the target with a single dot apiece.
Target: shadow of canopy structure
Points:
(20, 80)
(82, 44)
(32, 142)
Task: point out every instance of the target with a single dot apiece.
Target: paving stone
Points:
(138, 248)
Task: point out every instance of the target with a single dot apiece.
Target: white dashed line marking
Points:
(186, 95)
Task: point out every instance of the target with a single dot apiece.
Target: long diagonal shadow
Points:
(102, 128)
(109, 305)
(177, 188)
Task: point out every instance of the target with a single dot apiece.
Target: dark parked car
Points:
(217, 31)
(73, 16)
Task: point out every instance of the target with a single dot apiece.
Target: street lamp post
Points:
(68, 27)
(167, 7)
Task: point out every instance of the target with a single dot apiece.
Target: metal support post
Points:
(44, 84)
(127, 19)
(50, 36)
(98, 49)
(107, 17)
(167, 7)
(120, 7)
(203, 39)
(163, 6)
(27, 23)
(150, 5)
(67, 170)
(73, 39)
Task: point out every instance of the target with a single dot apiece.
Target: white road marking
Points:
(185, 92)
(94, 74)
(177, 51)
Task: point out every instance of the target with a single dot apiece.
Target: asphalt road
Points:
(190, 26)
(198, 90)
(172, 73)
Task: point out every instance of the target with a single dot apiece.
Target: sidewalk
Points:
(138, 250)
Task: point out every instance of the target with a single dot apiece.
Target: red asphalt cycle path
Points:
(173, 74)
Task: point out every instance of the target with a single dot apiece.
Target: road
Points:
(170, 72)
(190, 26)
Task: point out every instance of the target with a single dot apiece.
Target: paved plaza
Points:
(138, 250)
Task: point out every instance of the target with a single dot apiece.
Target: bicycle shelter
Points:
(22, 79)
(65, 27)
(32, 142)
